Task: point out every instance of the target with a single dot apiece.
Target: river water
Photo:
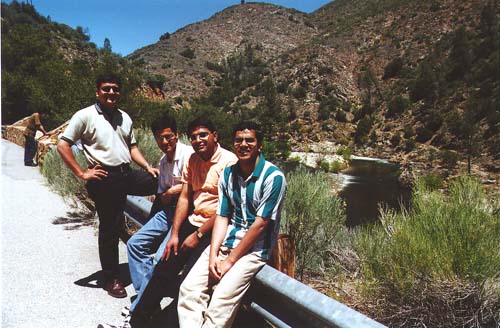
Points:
(367, 184)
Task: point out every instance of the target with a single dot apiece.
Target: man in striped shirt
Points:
(251, 194)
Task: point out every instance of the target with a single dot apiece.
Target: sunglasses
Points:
(109, 88)
(202, 135)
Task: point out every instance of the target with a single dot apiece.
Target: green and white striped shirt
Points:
(242, 201)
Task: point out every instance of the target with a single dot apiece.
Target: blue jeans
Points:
(150, 239)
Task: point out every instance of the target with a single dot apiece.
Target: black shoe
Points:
(30, 164)
(115, 288)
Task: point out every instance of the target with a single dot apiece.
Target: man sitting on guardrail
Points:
(251, 194)
(148, 240)
(191, 230)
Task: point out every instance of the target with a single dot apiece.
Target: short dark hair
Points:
(250, 125)
(200, 121)
(107, 78)
(164, 122)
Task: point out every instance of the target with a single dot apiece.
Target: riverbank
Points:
(423, 160)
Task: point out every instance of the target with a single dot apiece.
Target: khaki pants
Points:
(194, 308)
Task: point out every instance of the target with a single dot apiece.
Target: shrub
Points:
(147, 144)
(449, 158)
(336, 166)
(408, 132)
(362, 130)
(214, 66)
(395, 139)
(393, 68)
(423, 134)
(60, 178)
(424, 86)
(312, 216)
(341, 116)
(324, 165)
(410, 145)
(188, 53)
(165, 36)
(323, 113)
(345, 152)
(397, 105)
(432, 181)
(437, 258)
(299, 92)
(156, 81)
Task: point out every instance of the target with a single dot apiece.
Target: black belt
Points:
(122, 168)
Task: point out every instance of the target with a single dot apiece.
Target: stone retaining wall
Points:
(14, 133)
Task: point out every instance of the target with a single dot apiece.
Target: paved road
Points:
(48, 270)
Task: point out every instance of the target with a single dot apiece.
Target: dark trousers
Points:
(165, 280)
(156, 206)
(30, 148)
(109, 196)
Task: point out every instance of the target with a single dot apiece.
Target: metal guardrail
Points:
(282, 301)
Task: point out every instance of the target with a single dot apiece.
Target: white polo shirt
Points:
(171, 172)
(104, 142)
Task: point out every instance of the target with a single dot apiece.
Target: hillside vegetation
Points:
(413, 82)
(50, 66)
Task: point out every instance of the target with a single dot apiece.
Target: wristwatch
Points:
(199, 234)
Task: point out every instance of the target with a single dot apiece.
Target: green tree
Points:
(460, 55)
(425, 85)
(363, 129)
(107, 45)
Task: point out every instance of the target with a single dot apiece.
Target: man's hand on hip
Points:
(153, 171)
(95, 173)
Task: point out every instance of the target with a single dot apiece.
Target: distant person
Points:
(251, 196)
(145, 242)
(109, 145)
(30, 143)
(193, 220)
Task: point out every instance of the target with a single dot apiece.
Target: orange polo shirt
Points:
(204, 179)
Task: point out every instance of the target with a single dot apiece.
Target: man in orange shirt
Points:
(31, 145)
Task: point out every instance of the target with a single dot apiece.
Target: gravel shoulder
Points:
(50, 264)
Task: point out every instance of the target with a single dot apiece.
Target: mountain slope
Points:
(183, 56)
(391, 78)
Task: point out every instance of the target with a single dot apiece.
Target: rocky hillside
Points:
(389, 78)
(417, 82)
(186, 57)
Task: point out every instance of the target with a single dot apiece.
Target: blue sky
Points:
(133, 24)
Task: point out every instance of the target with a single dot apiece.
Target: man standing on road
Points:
(193, 220)
(109, 146)
(251, 196)
(30, 144)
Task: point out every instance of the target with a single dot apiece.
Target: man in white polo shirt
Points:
(109, 146)
(148, 240)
